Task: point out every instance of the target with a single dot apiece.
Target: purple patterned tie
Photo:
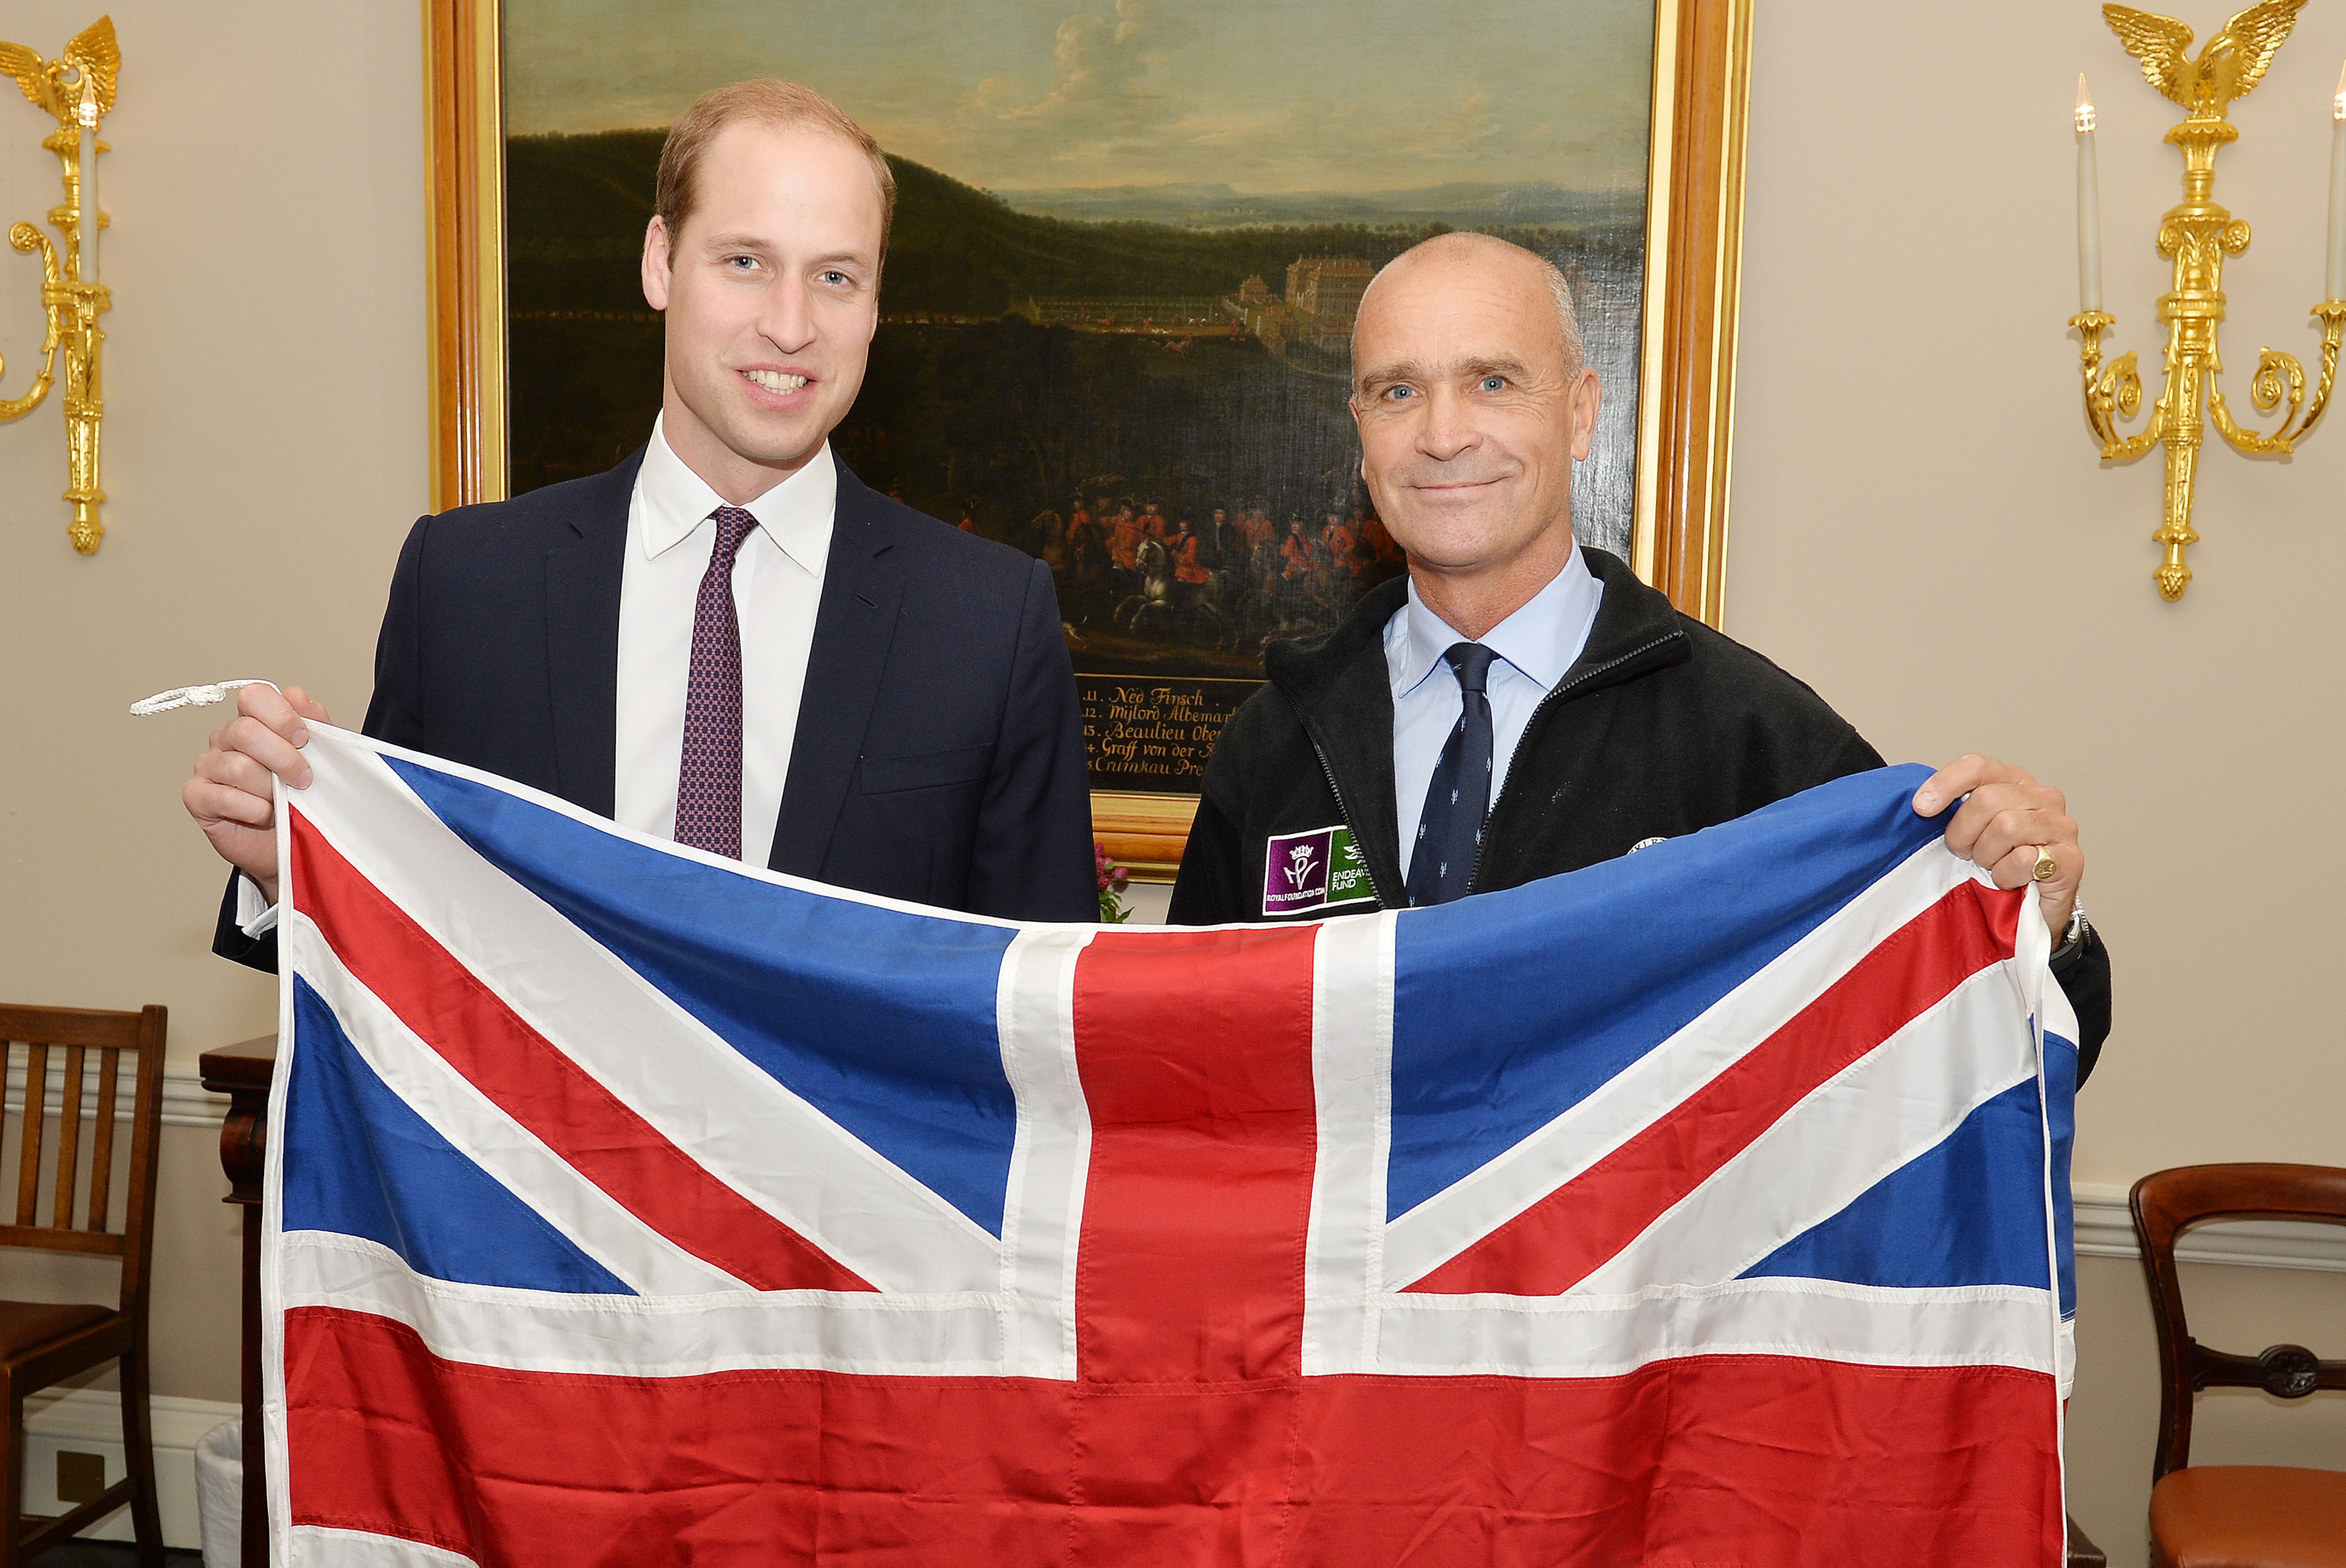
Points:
(708, 789)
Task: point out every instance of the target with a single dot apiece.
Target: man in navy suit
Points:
(728, 639)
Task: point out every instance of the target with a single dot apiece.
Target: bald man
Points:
(1596, 718)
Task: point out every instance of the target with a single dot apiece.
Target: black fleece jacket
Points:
(1662, 727)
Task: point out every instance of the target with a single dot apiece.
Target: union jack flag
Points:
(629, 1205)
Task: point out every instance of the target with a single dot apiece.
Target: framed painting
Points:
(1131, 242)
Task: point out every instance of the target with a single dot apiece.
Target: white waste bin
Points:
(220, 1493)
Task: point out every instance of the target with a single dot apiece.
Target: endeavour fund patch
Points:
(1318, 869)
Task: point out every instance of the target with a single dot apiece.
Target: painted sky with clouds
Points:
(1266, 95)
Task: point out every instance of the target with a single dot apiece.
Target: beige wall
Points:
(1920, 529)
(265, 447)
(265, 450)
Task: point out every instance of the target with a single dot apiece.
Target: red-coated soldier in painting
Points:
(1341, 543)
(1124, 540)
(1295, 553)
(1254, 527)
(1187, 567)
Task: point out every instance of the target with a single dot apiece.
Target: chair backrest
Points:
(2167, 1202)
(75, 1055)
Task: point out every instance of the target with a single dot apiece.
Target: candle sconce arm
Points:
(77, 90)
(24, 237)
(2280, 382)
(2113, 394)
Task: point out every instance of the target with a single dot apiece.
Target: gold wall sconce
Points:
(2198, 234)
(77, 87)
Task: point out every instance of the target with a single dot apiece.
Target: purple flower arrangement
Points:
(1113, 880)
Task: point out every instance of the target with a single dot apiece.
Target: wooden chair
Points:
(40, 1343)
(2271, 1515)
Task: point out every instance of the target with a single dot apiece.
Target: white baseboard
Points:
(2105, 1229)
(89, 1420)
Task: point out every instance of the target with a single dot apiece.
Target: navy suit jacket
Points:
(939, 756)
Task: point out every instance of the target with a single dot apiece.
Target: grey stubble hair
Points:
(1568, 317)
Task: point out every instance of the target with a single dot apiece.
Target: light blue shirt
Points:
(1535, 646)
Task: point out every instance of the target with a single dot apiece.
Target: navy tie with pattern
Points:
(1458, 797)
(709, 786)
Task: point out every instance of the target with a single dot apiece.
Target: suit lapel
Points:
(582, 641)
(855, 623)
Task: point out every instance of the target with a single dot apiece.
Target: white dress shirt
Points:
(1536, 646)
(777, 588)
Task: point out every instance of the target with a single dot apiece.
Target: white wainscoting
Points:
(186, 1102)
(89, 1420)
(2105, 1229)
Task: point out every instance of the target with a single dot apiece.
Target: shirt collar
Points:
(796, 514)
(1541, 639)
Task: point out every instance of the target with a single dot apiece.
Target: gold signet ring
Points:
(2046, 868)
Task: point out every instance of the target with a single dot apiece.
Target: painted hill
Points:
(579, 205)
(1538, 204)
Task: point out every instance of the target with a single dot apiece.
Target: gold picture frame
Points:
(1702, 64)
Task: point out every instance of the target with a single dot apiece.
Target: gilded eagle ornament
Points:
(93, 56)
(77, 89)
(2197, 234)
(2228, 65)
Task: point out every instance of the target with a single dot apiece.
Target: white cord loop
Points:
(192, 696)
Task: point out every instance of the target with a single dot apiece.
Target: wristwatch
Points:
(2074, 937)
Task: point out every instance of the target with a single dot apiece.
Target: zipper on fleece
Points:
(1475, 873)
(1345, 813)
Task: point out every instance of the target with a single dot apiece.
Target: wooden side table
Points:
(243, 1072)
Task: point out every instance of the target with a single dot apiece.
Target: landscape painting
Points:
(1131, 239)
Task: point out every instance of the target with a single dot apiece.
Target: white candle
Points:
(2089, 207)
(2338, 192)
(86, 222)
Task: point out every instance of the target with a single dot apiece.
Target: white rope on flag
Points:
(192, 696)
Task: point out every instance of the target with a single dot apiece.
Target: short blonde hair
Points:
(767, 101)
